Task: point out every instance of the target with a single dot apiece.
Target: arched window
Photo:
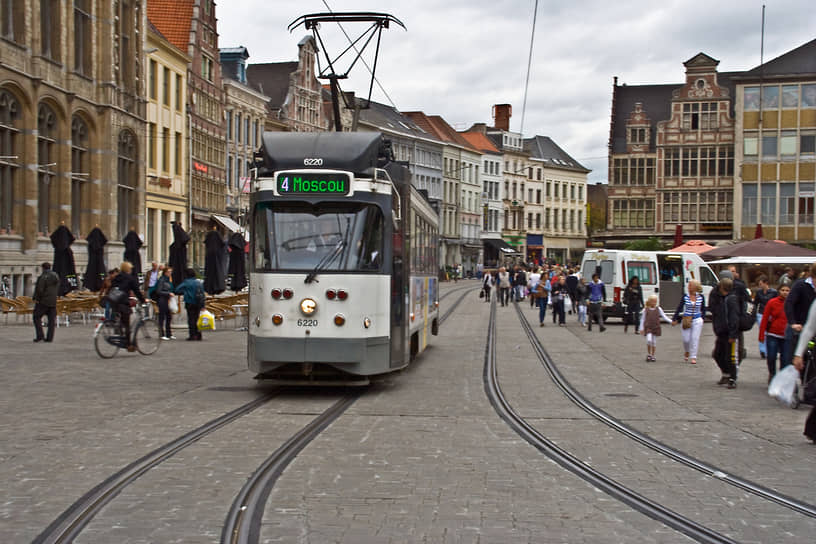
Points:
(80, 170)
(46, 163)
(9, 121)
(126, 178)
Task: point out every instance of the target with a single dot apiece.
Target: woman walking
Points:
(558, 294)
(633, 299)
(504, 285)
(581, 297)
(164, 290)
(690, 313)
(772, 329)
(487, 284)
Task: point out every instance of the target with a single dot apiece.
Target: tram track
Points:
(74, 520)
(459, 300)
(683, 458)
(243, 523)
(642, 504)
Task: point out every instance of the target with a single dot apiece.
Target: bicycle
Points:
(109, 336)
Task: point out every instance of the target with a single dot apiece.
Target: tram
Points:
(343, 264)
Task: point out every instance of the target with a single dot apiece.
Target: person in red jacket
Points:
(772, 329)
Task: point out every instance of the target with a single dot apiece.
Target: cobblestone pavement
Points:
(421, 457)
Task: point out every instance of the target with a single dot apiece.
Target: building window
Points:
(637, 135)
(749, 147)
(671, 162)
(50, 29)
(206, 67)
(166, 150)
(700, 116)
(9, 161)
(126, 59)
(807, 144)
(82, 37)
(151, 145)
(767, 204)
(238, 127)
(229, 172)
(689, 162)
(79, 170)
(529, 220)
(751, 98)
(769, 145)
(178, 92)
(787, 143)
(152, 76)
(770, 97)
(725, 157)
(46, 162)
(126, 180)
(787, 203)
(749, 203)
(806, 194)
(633, 214)
(538, 196)
(166, 87)
(790, 96)
(809, 96)
(12, 22)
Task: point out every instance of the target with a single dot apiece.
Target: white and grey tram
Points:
(343, 271)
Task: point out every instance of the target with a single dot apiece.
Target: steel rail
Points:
(243, 523)
(71, 522)
(710, 470)
(650, 508)
(453, 306)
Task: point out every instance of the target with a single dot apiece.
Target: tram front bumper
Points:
(362, 356)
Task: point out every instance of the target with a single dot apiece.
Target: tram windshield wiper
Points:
(326, 261)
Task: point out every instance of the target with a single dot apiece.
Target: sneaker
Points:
(603, 328)
(648, 358)
(541, 324)
(724, 380)
(165, 338)
(172, 337)
(732, 384)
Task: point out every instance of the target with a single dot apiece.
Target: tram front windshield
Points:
(299, 236)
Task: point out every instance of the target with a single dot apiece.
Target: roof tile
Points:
(172, 18)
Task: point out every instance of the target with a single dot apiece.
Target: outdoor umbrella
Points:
(758, 231)
(237, 262)
(693, 246)
(214, 280)
(678, 235)
(178, 253)
(95, 273)
(132, 244)
(758, 248)
(64, 265)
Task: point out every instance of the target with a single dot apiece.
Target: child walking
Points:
(582, 296)
(650, 325)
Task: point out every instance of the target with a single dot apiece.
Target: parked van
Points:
(661, 273)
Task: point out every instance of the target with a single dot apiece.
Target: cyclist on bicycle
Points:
(127, 282)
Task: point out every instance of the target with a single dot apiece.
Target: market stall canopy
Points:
(501, 245)
(760, 247)
(693, 246)
(765, 261)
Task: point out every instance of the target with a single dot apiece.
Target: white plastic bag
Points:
(567, 304)
(783, 385)
(173, 305)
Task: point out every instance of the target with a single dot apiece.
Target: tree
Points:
(651, 243)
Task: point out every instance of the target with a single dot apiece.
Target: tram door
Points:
(398, 297)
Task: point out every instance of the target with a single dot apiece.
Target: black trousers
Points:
(192, 320)
(725, 354)
(51, 313)
(164, 316)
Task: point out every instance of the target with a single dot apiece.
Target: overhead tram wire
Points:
(529, 63)
(377, 81)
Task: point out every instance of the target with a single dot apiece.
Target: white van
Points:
(661, 273)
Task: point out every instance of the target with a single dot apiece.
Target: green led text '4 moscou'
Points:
(296, 184)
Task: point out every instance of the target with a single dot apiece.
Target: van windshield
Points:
(591, 267)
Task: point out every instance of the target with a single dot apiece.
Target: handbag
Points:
(687, 321)
(116, 296)
(481, 293)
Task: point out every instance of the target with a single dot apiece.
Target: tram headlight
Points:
(277, 319)
(308, 306)
(339, 320)
(366, 322)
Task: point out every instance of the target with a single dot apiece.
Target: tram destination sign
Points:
(313, 183)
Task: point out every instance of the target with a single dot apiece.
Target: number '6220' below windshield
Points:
(299, 236)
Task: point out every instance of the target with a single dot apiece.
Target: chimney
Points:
(501, 116)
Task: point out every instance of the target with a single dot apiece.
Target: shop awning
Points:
(500, 245)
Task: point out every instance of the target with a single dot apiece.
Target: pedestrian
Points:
(743, 295)
(103, 293)
(151, 277)
(559, 294)
(772, 330)
(649, 325)
(572, 289)
(193, 292)
(725, 322)
(520, 283)
(761, 297)
(581, 298)
(127, 283)
(797, 306)
(633, 300)
(164, 292)
(504, 285)
(788, 277)
(808, 331)
(597, 294)
(45, 303)
(690, 312)
(532, 285)
(542, 294)
(487, 284)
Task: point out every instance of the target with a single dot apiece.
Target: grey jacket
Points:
(45, 292)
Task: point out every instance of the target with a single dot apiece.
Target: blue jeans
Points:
(542, 309)
(763, 343)
(774, 346)
(791, 338)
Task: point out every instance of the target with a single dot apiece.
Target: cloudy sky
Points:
(459, 57)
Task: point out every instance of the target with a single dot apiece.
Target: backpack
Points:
(200, 295)
(747, 316)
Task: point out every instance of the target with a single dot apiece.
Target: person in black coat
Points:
(633, 300)
(725, 322)
(797, 306)
(45, 302)
(128, 283)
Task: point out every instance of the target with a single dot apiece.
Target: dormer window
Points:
(638, 135)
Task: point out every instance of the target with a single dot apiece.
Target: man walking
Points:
(797, 305)
(45, 302)
(725, 322)
(597, 294)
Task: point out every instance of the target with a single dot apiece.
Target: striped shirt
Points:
(692, 309)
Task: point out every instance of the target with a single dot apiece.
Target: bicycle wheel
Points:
(107, 339)
(147, 337)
